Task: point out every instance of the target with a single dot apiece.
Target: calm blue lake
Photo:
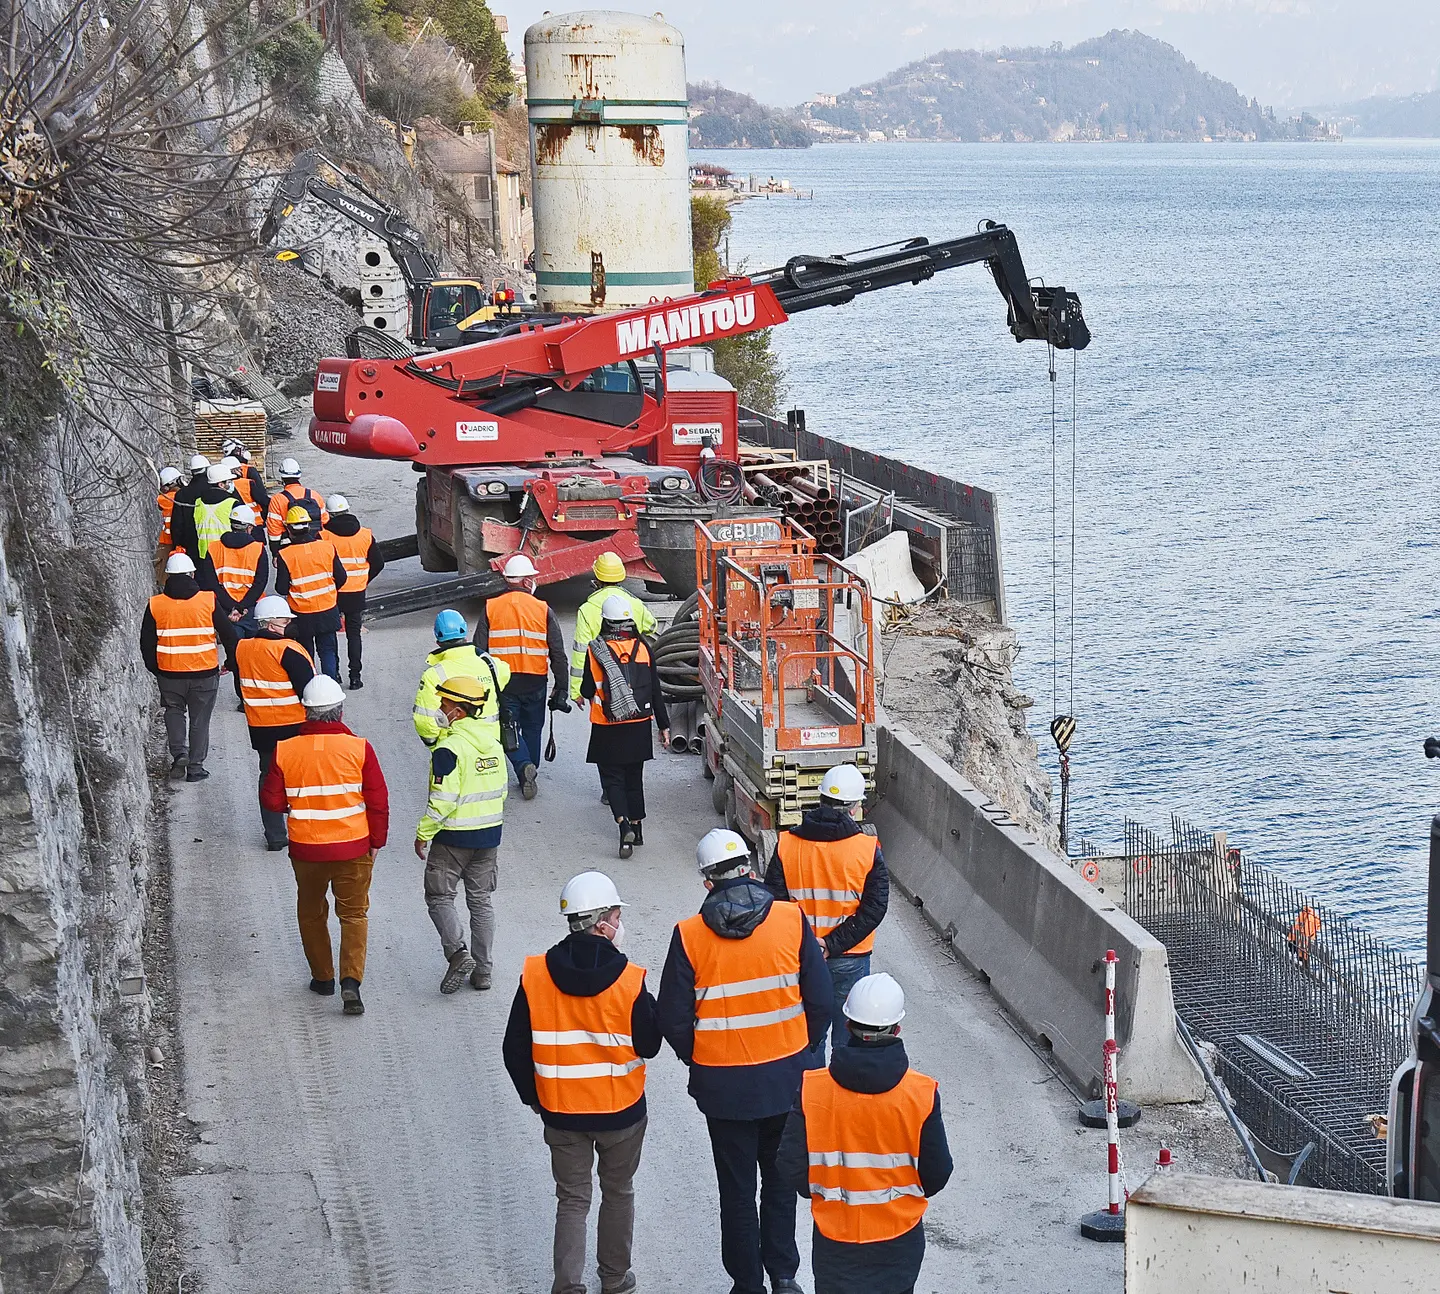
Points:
(1257, 568)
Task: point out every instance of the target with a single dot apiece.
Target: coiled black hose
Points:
(720, 480)
(677, 654)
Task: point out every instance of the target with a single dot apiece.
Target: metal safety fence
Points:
(1308, 1011)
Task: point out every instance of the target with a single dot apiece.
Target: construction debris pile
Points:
(306, 320)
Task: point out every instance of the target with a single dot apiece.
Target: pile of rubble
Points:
(304, 321)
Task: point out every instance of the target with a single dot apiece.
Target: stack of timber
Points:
(217, 421)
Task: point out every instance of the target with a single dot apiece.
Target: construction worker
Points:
(452, 657)
(837, 874)
(236, 569)
(200, 524)
(609, 575)
(165, 501)
(274, 672)
(520, 629)
(290, 493)
(360, 557)
(249, 483)
(743, 997)
(309, 573)
(1304, 931)
(581, 1028)
(329, 781)
(180, 645)
(623, 689)
(458, 839)
(866, 1146)
(186, 495)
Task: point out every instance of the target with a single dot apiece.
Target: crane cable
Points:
(1062, 726)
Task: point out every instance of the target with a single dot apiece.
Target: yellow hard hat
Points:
(466, 690)
(608, 569)
(297, 516)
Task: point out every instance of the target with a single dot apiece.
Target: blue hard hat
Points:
(450, 625)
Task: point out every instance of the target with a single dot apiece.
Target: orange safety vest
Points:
(519, 624)
(244, 485)
(312, 576)
(826, 878)
(265, 687)
(627, 651)
(235, 567)
(185, 640)
(166, 503)
(748, 1009)
(282, 501)
(585, 1059)
(324, 774)
(865, 1156)
(354, 553)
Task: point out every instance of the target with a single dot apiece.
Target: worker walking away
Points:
(236, 569)
(165, 501)
(249, 483)
(180, 645)
(202, 523)
(273, 672)
(581, 1028)
(309, 575)
(743, 997)
(608, 574)
(866, 1146)
(454, 656)
(520, 629)
(458, 839)
(837, 874)
(329, 781)
(290, 495)
(355, 545)
(623, 688)
(186, 495)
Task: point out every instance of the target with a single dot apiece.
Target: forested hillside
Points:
(728, 119)
(1417, 116)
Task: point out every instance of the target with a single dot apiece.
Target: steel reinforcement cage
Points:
(1309, 1012)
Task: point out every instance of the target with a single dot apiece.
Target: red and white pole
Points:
(1109, 1224)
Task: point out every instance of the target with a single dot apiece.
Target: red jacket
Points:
(372, 787)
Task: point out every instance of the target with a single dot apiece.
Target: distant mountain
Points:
(724, 118)
(1123, 85)
(1417, 116)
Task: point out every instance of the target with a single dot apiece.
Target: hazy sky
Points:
(1289, 52)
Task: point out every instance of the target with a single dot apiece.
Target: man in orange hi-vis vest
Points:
(866, 1146)
(743, 997)
(581, 1028)
(309, 575)
(355, 546)
(329, 781)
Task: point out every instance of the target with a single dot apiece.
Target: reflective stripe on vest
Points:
(455, 662)
(185, 641)
(587, 628)
(265, 687)
(748, 1009)
(166, 503)
(632, 649)
(235, 567)
(585, 1060)
(519, 624)
(211, 521)
(354, 553)
(244, 487)
(471, 798)
(312, 576)
(827, 878)
(324, 775)
(864, 1150)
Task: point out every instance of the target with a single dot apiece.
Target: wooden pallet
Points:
(222, 420)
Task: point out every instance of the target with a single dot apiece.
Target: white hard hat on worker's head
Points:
(337, 503)
(179, 564)
(244, 515)
(844, 783)
(615, 608)
(589, 892)
(321, 692)
(521, 567)
(272, 607)
(289, 469)
(721, 851)
(219, 473)
(169, 476)
(231, 462)
(199, 463)
(877, 1001)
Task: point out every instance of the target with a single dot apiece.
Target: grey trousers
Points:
(445, 869)
(188, 702)
(572, 1155)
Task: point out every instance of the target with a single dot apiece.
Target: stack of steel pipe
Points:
(813, 506)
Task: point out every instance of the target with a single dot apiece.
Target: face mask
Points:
(618, 936)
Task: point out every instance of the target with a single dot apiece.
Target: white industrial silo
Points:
(609, 136)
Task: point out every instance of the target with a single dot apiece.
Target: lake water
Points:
(1257, 559)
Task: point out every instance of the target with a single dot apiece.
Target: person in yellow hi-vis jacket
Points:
(609, 573)
(454, 657)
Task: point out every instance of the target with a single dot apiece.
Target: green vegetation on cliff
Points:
(727, 119)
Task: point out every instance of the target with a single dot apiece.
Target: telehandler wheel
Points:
(720, 790)
(432, 556)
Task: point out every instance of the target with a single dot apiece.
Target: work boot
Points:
(626, 1286)
(604, 797)
(480, 979)
(529, 781)
(639, 832)
(196, 774)
(179, 766)
(461, 964)
(785, 1285)
(355, 683)
(627, 839)
(239, 707)
(275, 846)
(350, 994)
(324, 987)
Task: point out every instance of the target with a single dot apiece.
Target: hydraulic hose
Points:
(677, 654)
(720, 480)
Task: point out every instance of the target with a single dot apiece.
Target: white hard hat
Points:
(337, 503)
(179, 564)
(272, 607)
(721, 850)
(289, 468)
(199, 463)
(218, 473)
(244, 514)
(617, 608)
(231, 462)
(845, 783)
(876, 1000)
(321, 692)
(169, 475)
(589, 892)
(520, 567)
(236, 449)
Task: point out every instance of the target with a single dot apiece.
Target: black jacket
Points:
(205, 574)
(733, 910)
(182, 588)
(884, 1266)
(582, 965)
(826, 822)
(182, 519)
(346, 524)
(259, 496)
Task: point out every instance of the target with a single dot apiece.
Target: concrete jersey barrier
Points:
(1020, 916)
